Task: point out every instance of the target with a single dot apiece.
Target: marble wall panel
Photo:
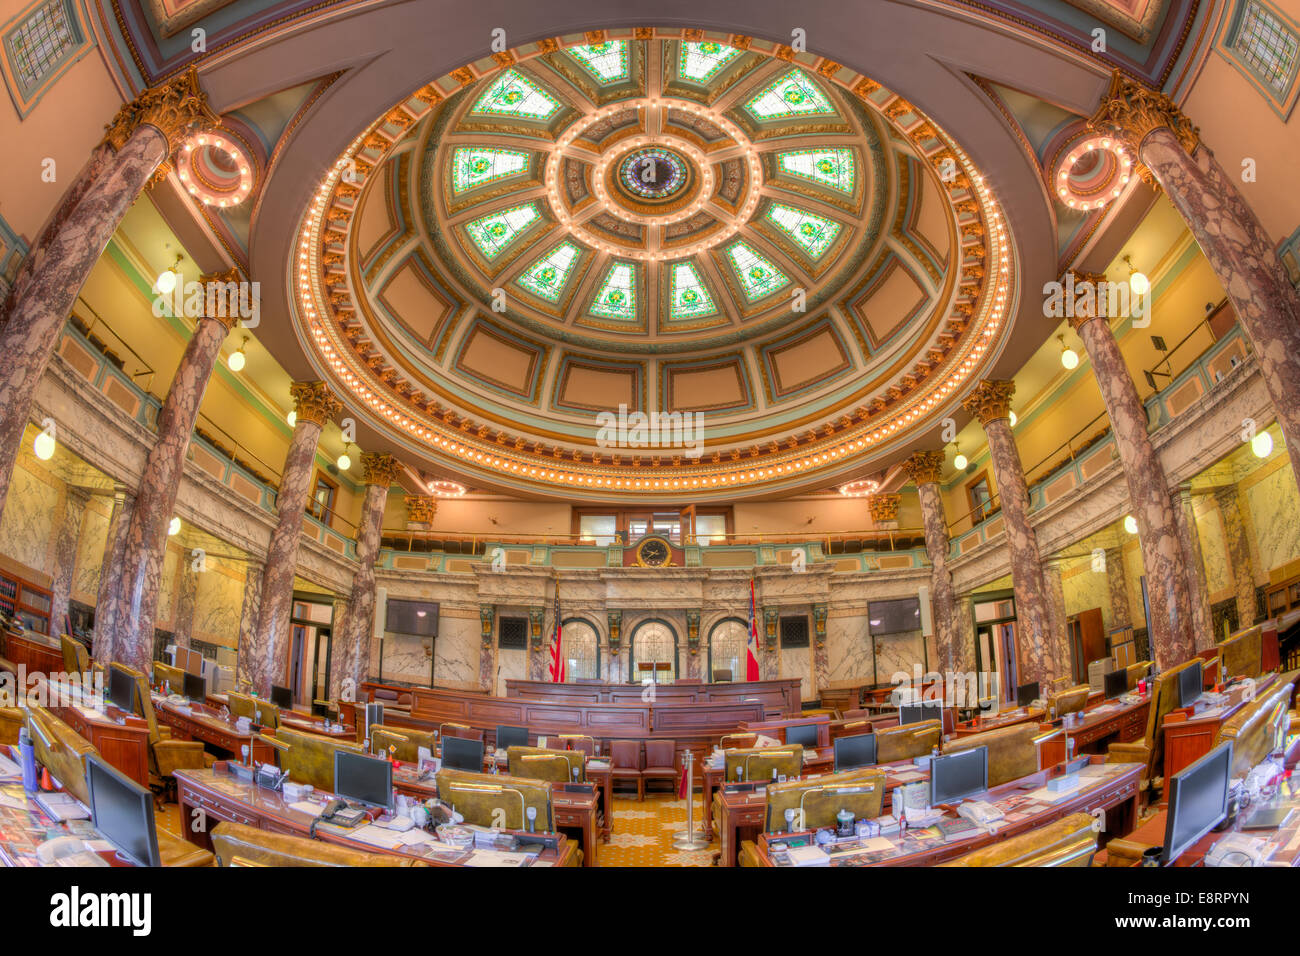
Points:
(511, 665)
(1214, 549)
(899, 653)
(848, 649)
(1085, 589)
(1275, 513)
(456, 652)
(167, 589)
(27, 527)
(90, 550)
(219, 601)
(796, 663)
(406, 658)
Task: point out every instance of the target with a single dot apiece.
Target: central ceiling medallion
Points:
(654, 173)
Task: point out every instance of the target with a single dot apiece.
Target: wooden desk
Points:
(22, 831)
(215, 731)
(1189, 737)
(212, 795)
(125, 745)
(1093, 732)
(39, 654)
(1114, 790)
(778, 697)
(1009, 718)
(711, 780)
(310, 725)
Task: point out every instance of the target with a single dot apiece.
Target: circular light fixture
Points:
(345, 460)
(43, 446)
(1130, 524)
(1092, 173)
(174, 526)
(292, 418)
(1261, 445)
(215, 170)
(1138, 282)
(166, 282)
(860, 488)
(237, 357)
(1069, 357)
(1014, 419)
(959, 461)
(442, 488)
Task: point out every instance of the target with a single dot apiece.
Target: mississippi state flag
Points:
(558, 673)
(751, 645)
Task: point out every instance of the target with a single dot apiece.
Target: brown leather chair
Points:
(166, 756)
(451, 729)
(857, 714)
(760, 763)
(625, 764)
(1071, 700)
(174, 677)
(308, 758)
(1136, 672)
(722, 675)
(1071, 841)
(1150, 750)
(63, 752)
(907, 740)
(238, 845)
(861, 792)
(1258, 729)
(660, 760)
(849, 728)
(496, 800)
(1243, 653)
(76, 659)
(403, 743)
(738, 741)
(1014, 751)
(540, 763)
(584, 744)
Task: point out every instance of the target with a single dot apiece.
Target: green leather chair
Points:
(404, 743)
(1069, 842)
(1243, 653)
(479, 796)
(861, 792)
(1150, 750)
(11, 720)
(308, 758)
(1071, 700)
(1258, 729)
(238, 845)
(173, 676)
(758, 763)
(76, 659)
(240, 704)
(1014, 751)
(907, 740)
(166, 756)
(539, 763)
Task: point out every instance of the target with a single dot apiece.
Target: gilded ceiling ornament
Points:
(740, 41)
(1081, 312)
(176, 109)
(420, 509)
(884, 507)
(379, 469)
(990, 401)
(924, 467)
(223, 300)
(1129, 111)
(314, 402)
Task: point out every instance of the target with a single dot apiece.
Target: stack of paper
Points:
(810, 855)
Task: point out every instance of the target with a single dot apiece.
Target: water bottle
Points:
(28, 757)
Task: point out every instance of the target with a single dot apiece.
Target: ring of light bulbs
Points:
(196, 184)
(1109, 190)
(425, 433)
(442, 488)
(861, 488)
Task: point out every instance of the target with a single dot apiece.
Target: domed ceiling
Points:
(764, 244)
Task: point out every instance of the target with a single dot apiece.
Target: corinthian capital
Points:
(990, 401)
(379, 469)
(1129, 111)
(924, 466)
(175, 108)
(314, 402)
(884, 507)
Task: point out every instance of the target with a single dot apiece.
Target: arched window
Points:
(581, 650)
(727, 640)
(653, 653)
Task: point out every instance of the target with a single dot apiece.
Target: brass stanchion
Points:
(689, 839)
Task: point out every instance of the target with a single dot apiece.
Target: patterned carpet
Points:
(643, 833)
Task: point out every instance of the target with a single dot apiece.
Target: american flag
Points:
(558, 671)
(751, 645)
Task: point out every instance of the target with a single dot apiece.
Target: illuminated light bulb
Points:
(43, 446)
(236, 361)
(1139, 283)
(292, 418)
(344, 462)
(1261, 445)
(959, 461)
(166, 282)
(1130, 524)
(174, 526)
(1013, 419)
(1069, 358)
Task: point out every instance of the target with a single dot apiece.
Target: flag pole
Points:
(689, 839)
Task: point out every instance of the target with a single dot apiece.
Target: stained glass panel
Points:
(547, 276)
(654, 653)
(473, 166)
(607, 61)
(616, 298)
(687, 295)
(37, 46)
(758, 277)
(1267, 46)
(830, 167)
(792, 95)
(513, 94)
(702, 61)
(581, 651)
(493, 232)
(812, 232)
(727, 642)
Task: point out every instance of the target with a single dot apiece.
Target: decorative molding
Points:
(990, 400)
(924, 467)
(176, 109)
(314, 402)
(1130, 112)
(379, 469)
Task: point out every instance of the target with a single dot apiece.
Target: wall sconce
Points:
(769, 621)
(615, 621)
(819, 623)
(535, 621)
(959, 460)
(238, 358)
(486, 616)
(693, 631)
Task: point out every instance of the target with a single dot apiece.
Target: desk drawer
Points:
(221, 809)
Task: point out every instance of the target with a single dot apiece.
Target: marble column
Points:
(991, 403)
(1228, 232)
(187, 590)
(925, 468)
(964, 654)
(486, 672)
(248, 616)
(1198, 589)
(1120, 615)
(352, 651)
(1171, 628)
(267, 650)
(65, 555)
(110, 576)
(146, 535)
(140, 138)
(1240, 564)
(1061, 656)
(343, 662)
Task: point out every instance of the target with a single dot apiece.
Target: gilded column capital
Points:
(884, 507)
(175, 108)
(1084, 308)
(991, 400)
(221, 298)
(1129, 111)
(379, 469)
(924, 467)
(420, 509)
(314, 402)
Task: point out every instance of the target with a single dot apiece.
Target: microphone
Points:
(531, 813)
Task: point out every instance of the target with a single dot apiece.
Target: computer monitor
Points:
(805, 734)
(461, 753)
(1116, 684)
(915, 713)
(508, 736)
(121, 811)
(958, 775)
(1026, 694)
(282, 697)
(1198, 800)
(196, 688)
(320, 708)
(121, 689)
(1191, 684)
(856, 751)
(374, 715)
(363, 779)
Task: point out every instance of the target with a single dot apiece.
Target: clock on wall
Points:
(653, 551)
